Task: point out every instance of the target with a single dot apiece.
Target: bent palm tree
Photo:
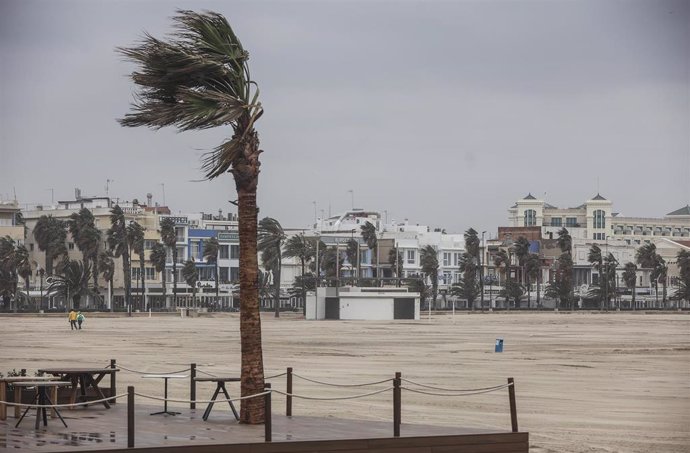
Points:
(270, 243)
(299, 247)
(199, 79)
(630, 280)
(106, 265)
(117, 242)
(158, 257)
(74, 283)
(428, 259)
(50, 234)
(369, 236)
(191, 276)
(211, 256)
(169, 238)
(135, 240)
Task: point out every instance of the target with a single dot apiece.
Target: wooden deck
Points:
(98, 429)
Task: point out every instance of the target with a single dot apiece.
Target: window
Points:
(456, 258)
(150, 273)
(599, 219)
(571, 221)
(223, 252)
(70, 245)
(180, 254)
(223, 274)
(194, 250)
(234, 274)
(447, 278)
(530, 217)
(364, 256)
(234, 252)
(446, 259)
(179, 232)
(410, 256)
(556, 221)
(148, 244)
(135, 273)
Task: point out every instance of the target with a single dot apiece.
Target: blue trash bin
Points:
(499, 345)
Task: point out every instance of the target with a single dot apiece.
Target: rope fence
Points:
(397, 388)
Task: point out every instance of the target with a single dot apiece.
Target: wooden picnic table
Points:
(220, 387)
(82, 379)
(18, 392)
(41, 398)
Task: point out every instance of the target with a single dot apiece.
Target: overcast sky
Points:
(444, 113)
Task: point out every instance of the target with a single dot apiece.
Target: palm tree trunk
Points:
(165, 288)
(276, 289)
(252, 377)
(216, 272)
(529, 296)
(174, 256)
(304, 290)
(633, 296)
(126, 268)
(538, 289)
(143, 283)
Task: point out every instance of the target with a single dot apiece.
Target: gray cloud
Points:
(441, 112)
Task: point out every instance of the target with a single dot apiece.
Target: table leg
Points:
(24, 414)
(43, 392)
(3, 398)
(232, 406)
(82, 387)
(57, 412)
(90, 381)
(207, 412)
(54, 395)
(73, 394)
(18, 400)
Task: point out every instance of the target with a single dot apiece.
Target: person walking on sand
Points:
(73, 319)
(80, 319)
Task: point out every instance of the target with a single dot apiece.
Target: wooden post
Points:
(513, 408)
(192, 386)
(113, 385)
(130, 417)
(3, 397)
(397, 405)
(288, 389)
(268, 435)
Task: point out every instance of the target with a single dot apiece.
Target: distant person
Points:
(73, 319)
(80, 319)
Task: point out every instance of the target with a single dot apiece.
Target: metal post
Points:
(192, 386)
(288, 389)
(513, 408)
(130, 417)
(397, 405)
(113, 386)
(267, 411)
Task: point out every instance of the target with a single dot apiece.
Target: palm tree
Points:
(118, 245)
(630, 280)
(521, 250)
(270, 243)
(210, 254)
(502, 259)
(328, 261)
(199, 79)
(73, 284)
(158, 258)
(106, 265)
(169, 238)
(352, 252)
(87, 237)
(395, 260)
(369, 236)
(564, 241)
(50, 235)
(647, 257)
(468, 287)
(683, 261)
(428, 258)
(191, 275)
(533, 270)
(135, 240)
(299, 247)
(597, 260)
(8, 267)
(472, 244)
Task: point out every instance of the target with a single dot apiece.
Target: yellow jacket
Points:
(72, 315)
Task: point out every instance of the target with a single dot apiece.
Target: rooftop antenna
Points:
(107, 186)
(163, 188)
(352, 196)
(52, 196)
(14, 189)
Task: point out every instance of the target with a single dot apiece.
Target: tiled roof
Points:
(685, 210)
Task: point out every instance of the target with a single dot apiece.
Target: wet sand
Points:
(585, 382)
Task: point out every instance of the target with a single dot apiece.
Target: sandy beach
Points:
(585, 382)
